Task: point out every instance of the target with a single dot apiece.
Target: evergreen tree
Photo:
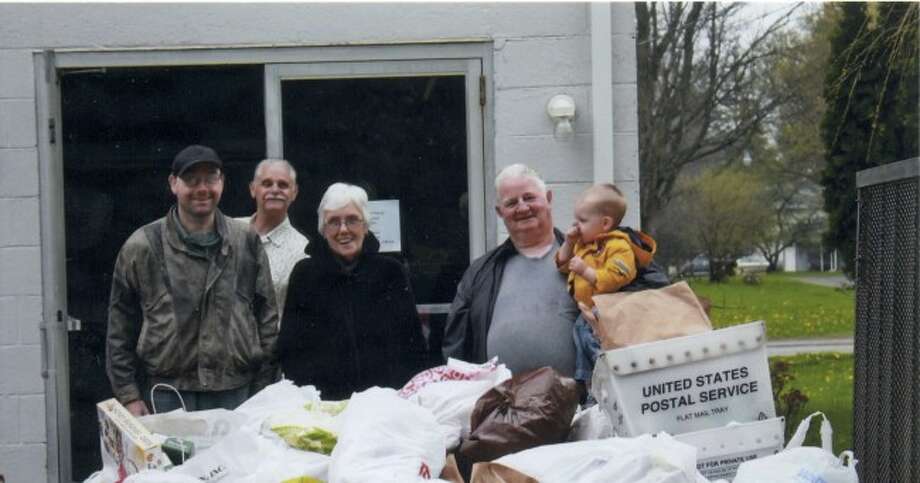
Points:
(899, 32)
(867, 122)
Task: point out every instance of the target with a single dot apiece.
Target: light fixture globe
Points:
(561, 109)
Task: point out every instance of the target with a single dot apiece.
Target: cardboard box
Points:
(127, 446)
(687, 384)
(721, 450)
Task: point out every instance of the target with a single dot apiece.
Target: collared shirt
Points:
(285, 247)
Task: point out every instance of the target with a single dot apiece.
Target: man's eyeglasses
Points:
(335, 223)
(208, 179)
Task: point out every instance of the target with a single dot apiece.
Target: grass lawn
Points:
(791, 309)
(827, 380)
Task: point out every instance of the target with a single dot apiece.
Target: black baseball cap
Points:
(193, 155)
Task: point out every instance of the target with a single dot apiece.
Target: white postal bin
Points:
(721, 450)
(686, 384)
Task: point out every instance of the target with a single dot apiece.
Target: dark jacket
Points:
(162, 326)
(650, 275)
(345, 331)
(470, 315)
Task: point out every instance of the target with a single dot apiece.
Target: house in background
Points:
(808, 253)
(798, 258)
(421, 104)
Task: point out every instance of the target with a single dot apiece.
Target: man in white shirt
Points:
(274, 188)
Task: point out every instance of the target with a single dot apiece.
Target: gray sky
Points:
(759, 15)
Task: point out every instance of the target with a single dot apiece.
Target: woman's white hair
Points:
(520, 171)
(339, 195)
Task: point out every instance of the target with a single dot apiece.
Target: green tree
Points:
(726, 213)
(872, 104)
(788, 155)
(798, 80)
(697, 90)
(676, 243)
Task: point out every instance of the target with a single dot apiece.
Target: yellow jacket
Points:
(615, 257)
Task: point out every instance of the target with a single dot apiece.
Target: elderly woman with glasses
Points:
(349, 320)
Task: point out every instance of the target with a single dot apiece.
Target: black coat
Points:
(347, 331)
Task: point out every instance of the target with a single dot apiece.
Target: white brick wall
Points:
(625, 107)
(17, 123)
(20, 172)
(24, 463)
(528, 72)
(19, 219)
(22, 406)
(9, 426)
(20, 271)
(16, 74)
(124, 25)
(558, 161)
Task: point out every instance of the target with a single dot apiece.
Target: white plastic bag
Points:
(451, 391)
(156, 476)
(235, 456)
(105, 475)
(456, 370)
(241, 453)
(203, 428)
(246, 455)
(385, 438)
(306, 428)
(798, 464)
(288, 463)
(643, 459)
(280, 397)
(591, 423)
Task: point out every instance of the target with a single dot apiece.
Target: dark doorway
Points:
(121, 129)
(400, 138)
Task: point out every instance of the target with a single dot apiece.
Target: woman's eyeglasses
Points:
(335, 223)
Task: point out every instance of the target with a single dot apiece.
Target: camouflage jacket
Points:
(179, 318)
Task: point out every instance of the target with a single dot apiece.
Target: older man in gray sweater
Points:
(512, 302)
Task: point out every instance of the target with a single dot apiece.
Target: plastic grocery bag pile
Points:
(289, 434)
(459, 423)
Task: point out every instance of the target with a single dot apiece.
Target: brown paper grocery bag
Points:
(491, 472)
(451, 472)
(629, 318)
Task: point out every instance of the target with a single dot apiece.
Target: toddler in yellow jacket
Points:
(599, 256)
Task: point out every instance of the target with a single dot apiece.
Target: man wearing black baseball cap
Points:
(192, 303)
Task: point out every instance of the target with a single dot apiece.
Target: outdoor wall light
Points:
(561, 109)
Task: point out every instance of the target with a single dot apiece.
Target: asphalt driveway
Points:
(832, 281)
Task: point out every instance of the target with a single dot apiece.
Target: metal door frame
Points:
(55, 362)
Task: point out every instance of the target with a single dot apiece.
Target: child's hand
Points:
(573, 234)
(577, 265)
